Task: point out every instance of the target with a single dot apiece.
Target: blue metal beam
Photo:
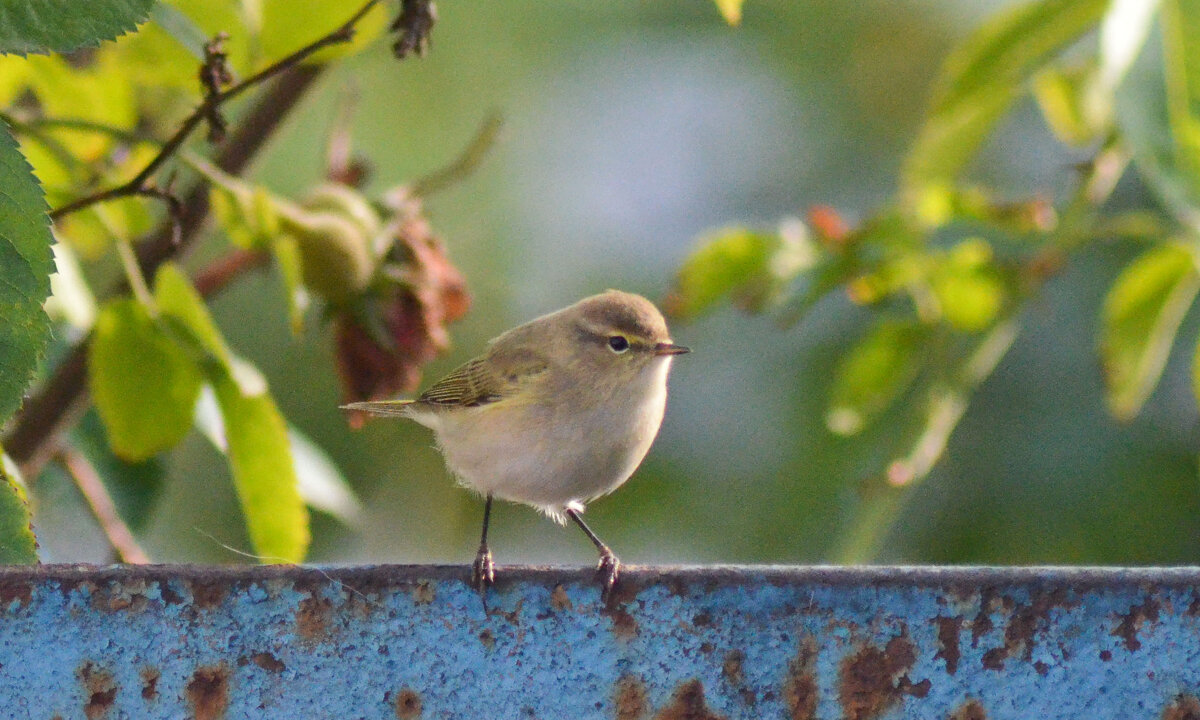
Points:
(747, 642)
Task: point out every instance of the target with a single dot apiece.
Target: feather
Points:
(389, 408)
(485, 380)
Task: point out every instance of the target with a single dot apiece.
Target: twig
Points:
(36, 124)
(465, 163)
(59, 402)
(206, 109)
(215, 276)
(103, 509)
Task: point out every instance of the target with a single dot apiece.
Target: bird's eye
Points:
(618, 344)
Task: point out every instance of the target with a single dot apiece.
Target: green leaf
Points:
(143, 383)
(178, 299)
(1140, 319)
(18, 545)
(255, 437)
(320, 482)
(40, 26)
(263, 472)
(1181, 46)
(870, 377)
(751, 268)
(291, 270)
(968, 286)
(181, 28)
(25, 266)
(290, 24)
(1063, 96)
(731, 10)
(983, 77)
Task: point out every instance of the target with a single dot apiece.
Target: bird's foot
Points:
(607, 571)
(483, 573)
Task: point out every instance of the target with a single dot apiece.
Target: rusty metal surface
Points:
(414, 642)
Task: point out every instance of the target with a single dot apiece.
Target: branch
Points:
(207, 109)
(61, 399)
(103, 509)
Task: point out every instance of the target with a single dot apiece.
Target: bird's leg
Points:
(484, 571)
(609, 567)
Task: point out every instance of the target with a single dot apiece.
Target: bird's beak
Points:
(670, 349)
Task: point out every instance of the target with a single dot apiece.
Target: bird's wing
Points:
(486, 379)
(392, 408)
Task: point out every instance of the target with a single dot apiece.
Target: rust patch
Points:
(268, 662)
(150, 678)
(702, 619)
(1132, 621)
(100, 688)
(800, 687)
(559, 600)
(970, 710)
(1021, 630)
(313, 616)
(487, 638)
(873, 680)
(1184, 707)
(208, 692)
(982, 624)
(206, 594)
(408, 704)
(423, 593)
(687, 703)
(20, 591)
(949, 629)
(731, 669)
(1106, 655)
(624, 626)
(630, 698)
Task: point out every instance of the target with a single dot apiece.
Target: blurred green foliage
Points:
(949, 275)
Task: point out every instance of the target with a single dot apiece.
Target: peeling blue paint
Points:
(408, 642)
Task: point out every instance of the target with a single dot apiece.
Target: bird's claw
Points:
(607, 571)
(483, 573)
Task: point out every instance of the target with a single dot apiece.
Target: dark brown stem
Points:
(103, 509)
(222, 271)
(212, 101)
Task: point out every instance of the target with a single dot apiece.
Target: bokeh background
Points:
(632, 128)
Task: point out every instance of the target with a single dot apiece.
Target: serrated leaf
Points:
(264, 473)
(1141, 316)
(731, 10)
(750, 268)
(18, 545)
(40, 26)
(876, 371)
(984, 76)
(143, 383)
(25, 267)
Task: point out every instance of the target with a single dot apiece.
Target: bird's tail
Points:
(385, 408)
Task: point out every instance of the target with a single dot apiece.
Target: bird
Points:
(553, 414)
